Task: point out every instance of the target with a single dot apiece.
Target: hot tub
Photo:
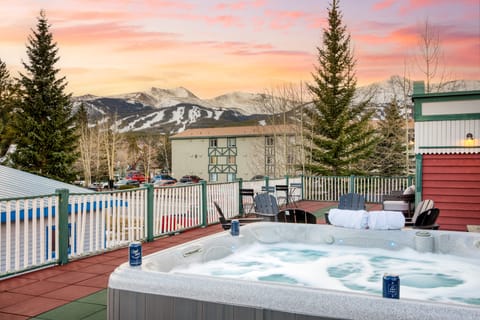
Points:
(162, 288)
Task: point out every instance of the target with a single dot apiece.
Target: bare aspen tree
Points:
(98, 146)
(165, 150)
(132, 150)
(430, 61)
(406, 89)
(148, 149)
(283, 106)
(111, 139)
(86, 145)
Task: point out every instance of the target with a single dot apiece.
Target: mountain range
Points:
(175, 110)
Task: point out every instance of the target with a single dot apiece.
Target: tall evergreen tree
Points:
(8, 100)
(388, 158)
(46, 138)
(339, 132)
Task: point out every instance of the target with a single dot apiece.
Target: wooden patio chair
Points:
(352, 201)
(227, 223)
(422, 206)
(296, 215)
(248, 200)
(427, 219)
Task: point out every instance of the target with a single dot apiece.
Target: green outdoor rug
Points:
(320, 214)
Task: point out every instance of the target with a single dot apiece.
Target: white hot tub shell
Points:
(151, 292)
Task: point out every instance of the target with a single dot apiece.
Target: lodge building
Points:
(226, 154)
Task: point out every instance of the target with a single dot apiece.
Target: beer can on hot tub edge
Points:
(135, 253)
(235, 227)
(391, 286)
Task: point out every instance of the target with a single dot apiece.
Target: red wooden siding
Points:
(452, 181)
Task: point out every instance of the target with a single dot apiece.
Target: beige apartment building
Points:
(226, 154)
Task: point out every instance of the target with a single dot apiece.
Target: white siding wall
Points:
(190, 157)
(449, 107)
(250, 157)
(448, 136)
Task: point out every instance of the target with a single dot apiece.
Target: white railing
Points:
(105, 220)
(321, 188)
(176, 208)
(27, 233)
(328, 188)
(226, 195)
(259, 186)
(373, 188)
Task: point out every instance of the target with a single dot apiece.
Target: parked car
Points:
(190, 179)
(98, 186)
(137, 176)
(258, 177)
(163, 180)
(126, 184)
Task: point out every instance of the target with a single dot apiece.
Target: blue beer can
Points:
(391, 286)
(235, 227)
(135, 253)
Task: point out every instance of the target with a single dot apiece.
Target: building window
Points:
(291, 140)
(290, 158)
(213, 177)
(231, 142)
(269, 160)
(213, 142)
(231, 177)
(213, 160)
(269, 141)
(231, 160)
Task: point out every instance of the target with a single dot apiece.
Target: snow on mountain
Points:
(247, 103)
(386, 91)
(175, 110)
(162, 98)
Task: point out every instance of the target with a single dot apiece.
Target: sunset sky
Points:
(213, 47)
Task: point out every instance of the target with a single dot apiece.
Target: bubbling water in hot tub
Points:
(423, 276)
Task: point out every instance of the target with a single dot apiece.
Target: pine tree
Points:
(44, 124)
(339, 133)
(8, 98)
(388, 158)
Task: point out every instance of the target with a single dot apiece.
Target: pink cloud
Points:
(226, 21)
(163, 4)
(285, 19)
(109, 32)
(282, 53)
(413, 5)
(240, 5)
(385, 4)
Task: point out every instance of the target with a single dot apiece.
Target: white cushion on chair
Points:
(409, 190)
(391, 205)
